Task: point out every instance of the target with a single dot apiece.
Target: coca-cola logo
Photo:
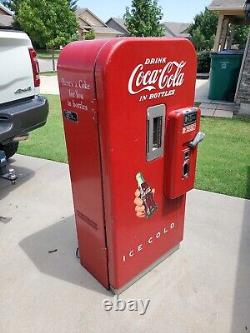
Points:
(169, 75)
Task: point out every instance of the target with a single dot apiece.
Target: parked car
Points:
(22, 109)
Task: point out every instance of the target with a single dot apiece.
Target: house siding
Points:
(2, 12)
(91, 20)
(243, 92)
(103, 35)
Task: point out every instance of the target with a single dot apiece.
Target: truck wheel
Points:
(10, 148)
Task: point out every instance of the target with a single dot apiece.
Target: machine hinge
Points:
(105, 250)
(93, 109)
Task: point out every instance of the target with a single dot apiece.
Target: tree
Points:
(12, 4)
(240, 35)
(203, 30)
(143, 18)
(5, 3)
(49, 24)
(73, 4)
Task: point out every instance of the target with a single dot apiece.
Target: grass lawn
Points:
(44, 54)
(48, 73)
(48, 141)
(223, 159)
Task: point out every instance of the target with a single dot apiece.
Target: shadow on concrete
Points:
(241, 309)
(63, 263)
(23, 174)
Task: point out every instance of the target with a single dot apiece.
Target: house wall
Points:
(103, 35)
(2, 12)
(86, 16)
(243, 92)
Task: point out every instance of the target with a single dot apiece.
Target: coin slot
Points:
(186, 169)
(186, 155)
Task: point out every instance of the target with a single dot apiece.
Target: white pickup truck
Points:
(22, 109)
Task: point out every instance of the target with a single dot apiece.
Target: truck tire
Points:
(10, 149)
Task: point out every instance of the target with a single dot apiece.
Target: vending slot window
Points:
(155, 131)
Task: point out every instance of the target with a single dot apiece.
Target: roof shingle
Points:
(119, 21)
(106, 30)
(227, 4)
(176, 29)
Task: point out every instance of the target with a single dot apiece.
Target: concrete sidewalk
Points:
(203, 287)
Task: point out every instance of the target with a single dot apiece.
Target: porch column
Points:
(230, 39)
(224, 33)
(218, 33)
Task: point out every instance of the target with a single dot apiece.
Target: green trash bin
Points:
(225, 68)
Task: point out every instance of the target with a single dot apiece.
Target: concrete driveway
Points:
(201, 90)
(203, 287)
(46, 65)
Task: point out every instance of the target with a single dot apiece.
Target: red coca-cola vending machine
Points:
(132, 131)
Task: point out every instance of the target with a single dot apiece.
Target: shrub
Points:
(89, 35)
(204, 61)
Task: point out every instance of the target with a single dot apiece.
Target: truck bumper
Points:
(17, 119)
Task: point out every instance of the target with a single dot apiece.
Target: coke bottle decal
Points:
(147, 197)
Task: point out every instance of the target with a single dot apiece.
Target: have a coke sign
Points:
(165, 75)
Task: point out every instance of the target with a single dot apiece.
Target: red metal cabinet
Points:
(128, 115)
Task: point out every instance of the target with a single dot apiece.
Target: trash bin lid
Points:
(228, 53)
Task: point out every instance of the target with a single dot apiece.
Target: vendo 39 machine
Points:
(132, 133)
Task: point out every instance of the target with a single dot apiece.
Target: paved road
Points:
(46, 65)
(203, 287)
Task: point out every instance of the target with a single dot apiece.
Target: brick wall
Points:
(243, 92)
